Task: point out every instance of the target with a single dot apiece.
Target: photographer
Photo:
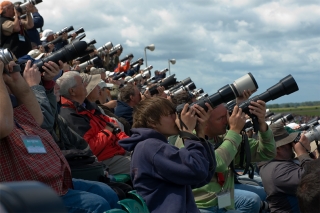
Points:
(29, 152)
(242, 197)
(13, 29)
(281, 176)
(161, 173)
(37, 23)
(47, 36)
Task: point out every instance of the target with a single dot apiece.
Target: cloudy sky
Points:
(214, 42)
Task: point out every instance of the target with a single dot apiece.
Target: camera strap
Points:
(245, 156)
(209, 148)
(115, 130)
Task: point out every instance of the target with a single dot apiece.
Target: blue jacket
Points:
(163, 174)
(125, 111)
(33, 32)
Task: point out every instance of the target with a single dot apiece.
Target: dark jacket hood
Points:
(139, 135)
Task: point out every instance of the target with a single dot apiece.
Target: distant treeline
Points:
(302, 104)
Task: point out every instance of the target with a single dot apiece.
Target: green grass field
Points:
(305, 110)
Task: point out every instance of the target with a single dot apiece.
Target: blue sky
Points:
(213, 42)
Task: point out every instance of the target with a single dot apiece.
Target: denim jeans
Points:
(90, 196)
(245, 201)
(215, 209)
(256, 189)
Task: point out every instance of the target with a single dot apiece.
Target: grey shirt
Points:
(280, 179)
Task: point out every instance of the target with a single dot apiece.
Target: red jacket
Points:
(123, 68)
(90, 124)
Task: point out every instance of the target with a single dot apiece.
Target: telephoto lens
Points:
(226, 93)
(189, 87)
(286, 86)
(166, 83)
(313, 134)
(127, 57)
(65, 30)
(284, 119)
(5, 56)
(80, 30)
(33, 2)
(92, 61)
(65, 54)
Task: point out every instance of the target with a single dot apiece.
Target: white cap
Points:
(46, 33)
(111, 74)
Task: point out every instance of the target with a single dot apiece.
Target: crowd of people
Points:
(116, 113)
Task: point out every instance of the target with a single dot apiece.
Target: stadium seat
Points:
(123, 178)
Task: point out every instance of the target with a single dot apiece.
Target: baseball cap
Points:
(46, 33)
(36, 54)
(103, 84)
(4, 4)
(111, 74)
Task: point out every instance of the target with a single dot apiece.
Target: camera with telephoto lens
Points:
(54, 42)
(148, 68)
(138, 77)
(188, 88)
(107, 46)
(197, 92)
(268, 114)
(286, 86)
(120, 75)
(33, 2)
(92, 61)
(163, 71)
(313, 134)
(166, 83)
(133, 64)
(115, 49)
(92, 42)
(6, 57)
(181, 83)
(65, 30)
(127, 57)
(284, 119)
(311, 123)
(65, 54)
(226, 93)
(202, 96)
(80, 30)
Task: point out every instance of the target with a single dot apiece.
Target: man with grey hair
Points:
(100, 131)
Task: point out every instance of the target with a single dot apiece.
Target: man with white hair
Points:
(101, 132)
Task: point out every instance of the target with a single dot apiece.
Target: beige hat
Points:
(36, 54)
(281, 136)
(126, 79)
(91, 80)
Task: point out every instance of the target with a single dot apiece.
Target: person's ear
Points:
(71, 91)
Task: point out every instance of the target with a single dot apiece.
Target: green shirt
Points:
(262, 150)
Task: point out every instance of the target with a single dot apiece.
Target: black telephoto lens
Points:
(65, 54)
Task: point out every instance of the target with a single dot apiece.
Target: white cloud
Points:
(214, 42)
